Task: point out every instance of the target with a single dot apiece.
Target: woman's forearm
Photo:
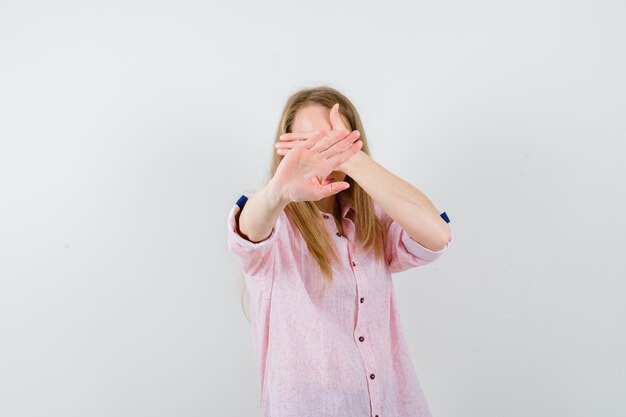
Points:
(261, 212)
(402, 201)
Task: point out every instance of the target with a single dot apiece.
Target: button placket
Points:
(364, 347)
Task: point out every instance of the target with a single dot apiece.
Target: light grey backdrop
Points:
(128, 130)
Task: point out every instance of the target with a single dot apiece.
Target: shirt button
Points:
(338, 234)
(353, 263)
(372, 376)
(362, 299)
(361, 338)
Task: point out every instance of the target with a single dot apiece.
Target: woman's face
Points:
(315, 117)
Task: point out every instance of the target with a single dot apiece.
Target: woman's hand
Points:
(289, 140)
(301, 175)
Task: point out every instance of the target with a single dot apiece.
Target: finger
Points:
(342, 157)
(329, 140)
(342, 145)
(286, 145)
(333, 188)
(298, 136)
(336, 121)
(313, 140)
(282, 151)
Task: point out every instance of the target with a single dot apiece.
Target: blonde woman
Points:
(318, 244)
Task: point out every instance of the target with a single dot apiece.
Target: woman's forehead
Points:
(311, 117)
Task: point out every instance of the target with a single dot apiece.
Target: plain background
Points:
(129, 129)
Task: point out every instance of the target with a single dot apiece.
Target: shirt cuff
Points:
(422, 251)
(233, 231)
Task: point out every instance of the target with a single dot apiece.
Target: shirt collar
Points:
(344, 202)
(346, 205)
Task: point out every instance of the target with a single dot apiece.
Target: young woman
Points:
(318, 244)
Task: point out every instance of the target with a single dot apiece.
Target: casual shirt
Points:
(341, 353)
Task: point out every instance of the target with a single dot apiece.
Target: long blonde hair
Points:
(305, 215)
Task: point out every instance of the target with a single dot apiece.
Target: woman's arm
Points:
(295, 180)
(403, 202)
(260, 213)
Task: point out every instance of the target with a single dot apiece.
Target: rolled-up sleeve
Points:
(256, 258)
(402, 251)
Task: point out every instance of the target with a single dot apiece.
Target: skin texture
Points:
(300, 177)
(402, 201)
(315, 118)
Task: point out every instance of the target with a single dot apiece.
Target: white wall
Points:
(128, 129)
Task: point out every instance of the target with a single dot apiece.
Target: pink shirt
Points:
(342, 355)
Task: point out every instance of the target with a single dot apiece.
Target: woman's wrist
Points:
(277, 193)
(352, 164)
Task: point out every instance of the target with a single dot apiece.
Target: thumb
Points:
(335, 119)
(334, 188)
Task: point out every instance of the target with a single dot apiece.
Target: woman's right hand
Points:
(301, 173)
